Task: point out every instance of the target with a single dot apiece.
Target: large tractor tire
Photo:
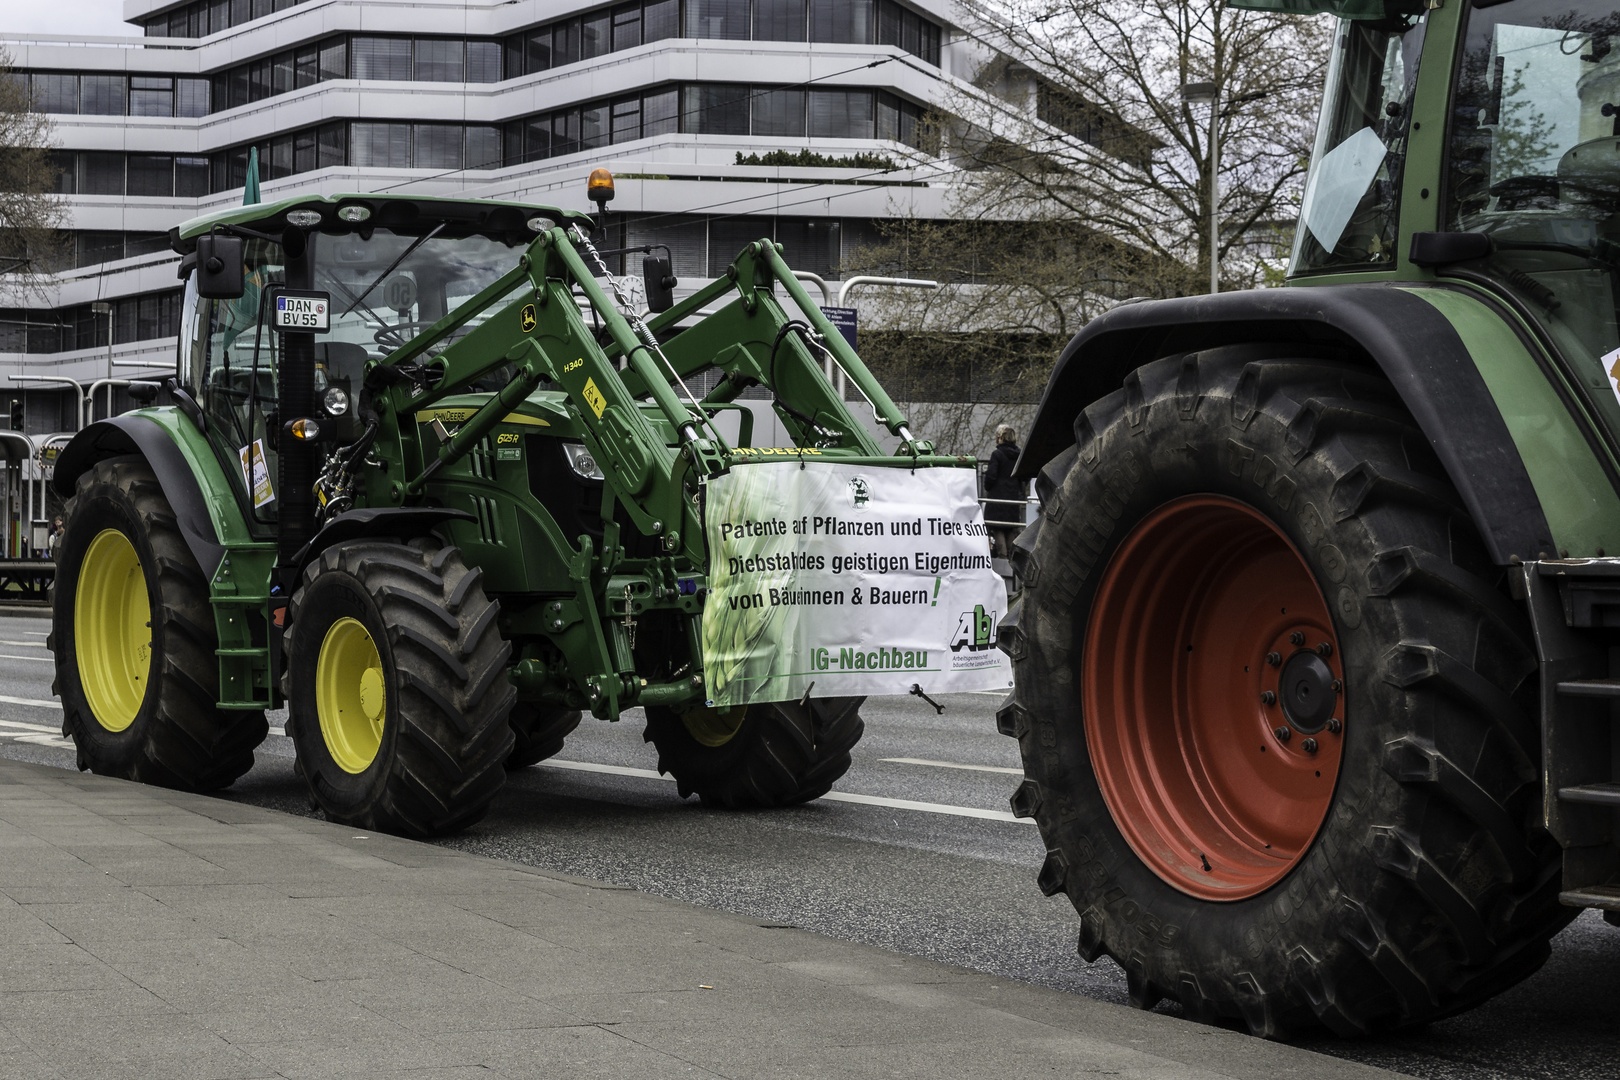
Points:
(1274, 705)
(396, 687)
(134, 638)
(757, 756)
(538, 732)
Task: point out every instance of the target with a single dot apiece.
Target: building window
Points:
(660, 113)
(103, 95)
(841, 22)
(595, 35)
(440, 61)
(334, 63)
(660, 19)
(56, 93)
(779, 114)
(779, 20)
(438, 146)
(715, 109)
(151, 175)
(626, 26)
(375, 145)
(841, 114)
(191, 97)
(190, 177)
(384, 59)
(101, 173)
(725, 20)
(483, 62)
(627, 120)
(483, 147)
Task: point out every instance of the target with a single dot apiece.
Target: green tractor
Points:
(1315, 658)
(427, 484)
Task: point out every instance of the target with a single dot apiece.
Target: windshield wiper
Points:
(418, 242)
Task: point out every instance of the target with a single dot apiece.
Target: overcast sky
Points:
(91, 17)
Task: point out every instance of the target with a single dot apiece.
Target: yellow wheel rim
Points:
(351, 695)
(112, 630)
(714, 727)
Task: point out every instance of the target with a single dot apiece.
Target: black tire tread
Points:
(453, 700)
(188, 743)
(784, 754)
(1462, 898)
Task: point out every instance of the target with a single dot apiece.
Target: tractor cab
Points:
(389, 267)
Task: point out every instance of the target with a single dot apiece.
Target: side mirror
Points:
(660, 279)
(219, 267)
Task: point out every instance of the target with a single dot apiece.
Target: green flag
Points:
(250, 193)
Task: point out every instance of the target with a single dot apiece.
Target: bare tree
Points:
(1084, 179)
(30, 212)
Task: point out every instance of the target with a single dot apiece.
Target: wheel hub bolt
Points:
(1297, 637)
(1324, 649)
(1338, 685)
(1268, 698)
(1309, 746)
(1335, 725)
(1283, 734)
(1274, 658)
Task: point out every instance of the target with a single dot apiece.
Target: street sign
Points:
(306, 312)
(843, 318)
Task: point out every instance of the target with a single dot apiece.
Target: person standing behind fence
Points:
(999, 484)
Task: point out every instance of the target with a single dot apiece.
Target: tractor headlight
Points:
(305, 430)
(336, 401)
(304, 219)
(580, 460)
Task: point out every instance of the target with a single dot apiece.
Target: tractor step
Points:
(1600, 688)
(1598, 794)
(1606, 897)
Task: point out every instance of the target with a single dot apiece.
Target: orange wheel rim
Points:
(1213, 696)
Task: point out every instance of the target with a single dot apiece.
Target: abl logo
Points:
(976, 630)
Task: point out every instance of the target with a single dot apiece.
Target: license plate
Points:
(311, 314)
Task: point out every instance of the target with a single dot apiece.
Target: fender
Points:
(402, 522)
(1409, 340)
(155, 439)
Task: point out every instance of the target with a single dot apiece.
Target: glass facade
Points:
(68, 93)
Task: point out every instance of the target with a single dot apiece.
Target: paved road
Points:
(954, 884)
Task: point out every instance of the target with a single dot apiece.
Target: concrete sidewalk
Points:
(147, 933)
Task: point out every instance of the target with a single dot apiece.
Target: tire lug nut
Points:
(1338, 686)
(1283, 734)
(1324, 649)
(1335, 725)
(1267, 697)
(1309, 746)
(1274, 658)
(1297, 637)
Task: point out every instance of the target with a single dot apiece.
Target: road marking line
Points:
(831, 796)
(953, 765)
(29, 727)
(35, 702)
(25, 644)
(36, 659)
(41, 740)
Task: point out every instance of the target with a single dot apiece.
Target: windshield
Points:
(1535, 162)
(1352, 195)
(387, 287)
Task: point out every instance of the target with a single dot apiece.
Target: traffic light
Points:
(16, 414)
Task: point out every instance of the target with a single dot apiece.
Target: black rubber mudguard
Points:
(1409, 340)
(137, 435)
(399, 522)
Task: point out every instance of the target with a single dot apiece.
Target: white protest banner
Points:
(858, 579)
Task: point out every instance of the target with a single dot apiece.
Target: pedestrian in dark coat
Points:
(1004, 520)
